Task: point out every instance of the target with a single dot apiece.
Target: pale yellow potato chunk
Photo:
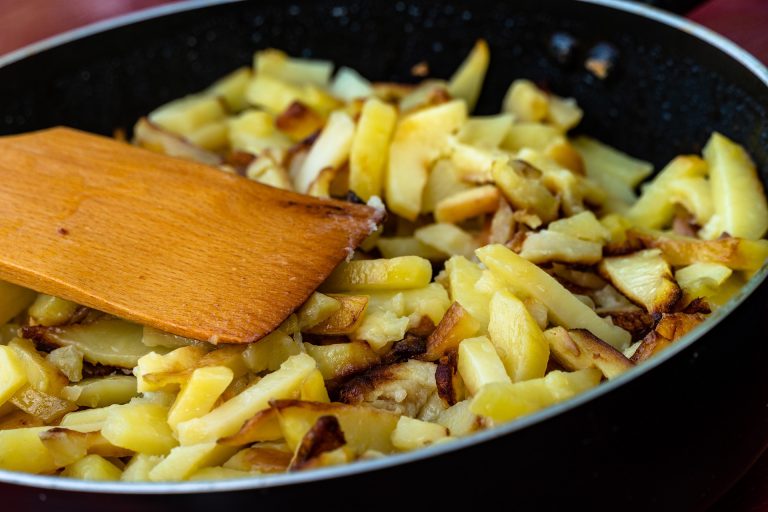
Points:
(271, 351)
(101, 391)
(231, 88)
(199, 394)
(13, 374)
(316, 309)
(463, 275)
(527, 280)
(370, 148)
(330, 150)
(13, 300)
(702, 279)
(584, 226)
(139, 426)
(93, 467)
(467, 82)
(545, 246)
(22, 450)
(504, 402)
(467, 204)
(485, 131)
(49, 310)
(740, 203)
(227, 419)
(517, 337)
(138, 468)
(479, 364)
(526, 101)
(419, 140)
(383, 274)
(393, 247)
(447, 238)
(411, 434)
(183, 461)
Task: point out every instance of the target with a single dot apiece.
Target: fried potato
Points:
(584, 226)
(139, 426)
(227, 418)
(263, 426)
(364, 428)
(271, 351)
(22, 450)
(231, 89)
(701, 279)
(93, 467)
(447, 238)
(45, 406)
(526, 101)
(344, 320)
(467, 81)
(330, 150)
(547, 245)
(517, 338)
(411, 434)
(419, 139)
(444, 180)
(199, 394)
(580, 349)
(322, 437)
(463, 276)
(467, 204)
(13, 374)
(486, 131)
(456, 325)
(524, 191)
(740, 204)
(392, 274)
(502, 401)
(342, 359)
(396, 246)
(370, 147)
(644, 277)
(183, 461)
(479, 364)
(101, 391)
(528, 280)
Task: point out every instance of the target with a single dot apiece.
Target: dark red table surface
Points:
(744, 21)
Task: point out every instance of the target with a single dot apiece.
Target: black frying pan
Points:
(672, 435)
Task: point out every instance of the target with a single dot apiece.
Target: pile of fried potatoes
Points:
(518, 267)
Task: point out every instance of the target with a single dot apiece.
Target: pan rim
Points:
(57, 483)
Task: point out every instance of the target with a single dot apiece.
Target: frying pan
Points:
(672, 434)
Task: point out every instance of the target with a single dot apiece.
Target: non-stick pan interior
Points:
(665, 96)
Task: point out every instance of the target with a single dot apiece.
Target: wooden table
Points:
(744, 21)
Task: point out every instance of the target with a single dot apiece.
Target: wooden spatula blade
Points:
(164, 242)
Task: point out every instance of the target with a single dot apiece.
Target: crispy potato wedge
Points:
(322, 437)
(344, 320)
(299, 121)
(262, 458)
(412, 434)
(341, 360)
(456, 325)
(524, 192)
(263, 426)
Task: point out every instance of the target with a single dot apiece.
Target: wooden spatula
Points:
(173, 244)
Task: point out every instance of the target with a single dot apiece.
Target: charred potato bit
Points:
(515, 266)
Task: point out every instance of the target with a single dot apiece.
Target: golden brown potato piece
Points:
(261, 458)
(339, 360)
(264, 426)
(346, 319)
(324, 436)
(734, 253)
(467, 204)
(579, 349)
(48, 408)
(457, 324)
(19, 419)
(299, 121)
(645, 278)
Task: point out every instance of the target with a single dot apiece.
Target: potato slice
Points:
(316, 309)
(22, 450)
(463, 275)
(521, 187)
(108, 340)
(370, 148)
(12, 417)
(655, 207)
(486, 131)
(227, 418)
(183, 461)
(342, 359)
(47, 407)
(93, 467)
(323, 437)
(702, 279)
(69, 361)
(101, 391)
(169, 370)
(364, 428)
(584, 226)
(382, 274)
(419, 140)
(447, 238)
(66, 446)
(580, 349)
(271, 352)
(263, 426)
(527, 280)
(517, 338)
(645, 278)
(741, 209)
(185, 115)
(139, 426)
(49, 310)
(445, 180)
(262, 458)
(459, 419)
(412, 434)
(563, 112)
(456, 325)
(535, 136)
(467, 204)
(467, 82)
(138, 468)
(734, 253)
(349, 85)
(13, 300)
(501, 401)
(231, 88)
(278, 64)
(479, 364)
(41, 374)
(199, 393)
(150, 136)
(344, 320)
(546, 246)
(526, 101)
(330, 150)
(299, 121)
(396, 246)
(695, 195)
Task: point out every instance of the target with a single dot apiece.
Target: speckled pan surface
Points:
(672, 434)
